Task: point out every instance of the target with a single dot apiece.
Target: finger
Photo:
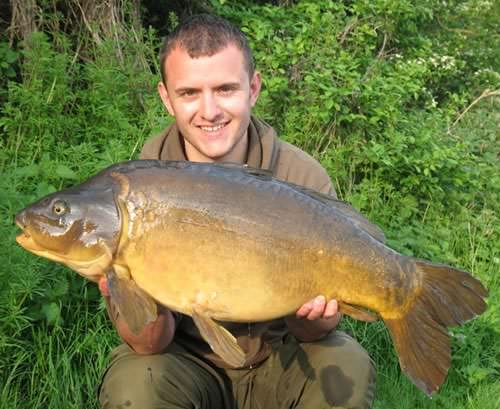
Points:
(331, 309)
(303, 311)
(318, 308)
(103, 286)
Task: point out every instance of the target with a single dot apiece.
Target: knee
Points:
(344, 371)
(132, 381)
(172, 379)
(338, 348)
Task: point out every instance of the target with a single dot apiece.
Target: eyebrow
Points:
(232, 85)
(185, 89)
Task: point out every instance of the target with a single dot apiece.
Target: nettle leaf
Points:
(477, 373)
(59, 289)
(43, 189)
(65, 172)
(10, 56)
(28, 171)
(52, 313)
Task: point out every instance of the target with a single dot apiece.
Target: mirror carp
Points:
(223, 242)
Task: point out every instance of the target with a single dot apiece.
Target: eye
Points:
(227, 89)
(60, 207)
(188, 93)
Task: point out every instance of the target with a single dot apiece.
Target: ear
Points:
(255, 85)
(162, 90)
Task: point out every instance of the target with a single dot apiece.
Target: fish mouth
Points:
(91, 269)
(26, 240)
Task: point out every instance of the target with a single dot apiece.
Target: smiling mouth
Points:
(213, 128)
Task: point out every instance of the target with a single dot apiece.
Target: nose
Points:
(210, 109)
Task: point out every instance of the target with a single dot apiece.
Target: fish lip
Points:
(24, 235)
(24, 239)
(21, 226)
(87, 268)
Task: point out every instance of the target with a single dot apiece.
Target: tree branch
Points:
(485, 94)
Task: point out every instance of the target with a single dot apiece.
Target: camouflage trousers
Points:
(335, 372)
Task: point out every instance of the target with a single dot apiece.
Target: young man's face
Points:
(211, 99)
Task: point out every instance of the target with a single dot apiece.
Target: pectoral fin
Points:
(356, 312)
(222, 342)
(135, 306)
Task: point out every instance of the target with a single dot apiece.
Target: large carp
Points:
(231, 243)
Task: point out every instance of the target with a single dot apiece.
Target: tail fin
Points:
(448, 297)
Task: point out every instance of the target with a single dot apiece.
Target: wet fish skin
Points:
(232, 243)
(83, 237)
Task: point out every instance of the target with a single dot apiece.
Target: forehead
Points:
(226, 65)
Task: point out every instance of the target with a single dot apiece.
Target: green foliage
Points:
(370, 88)
(8, 60)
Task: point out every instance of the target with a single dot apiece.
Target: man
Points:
(210, 86)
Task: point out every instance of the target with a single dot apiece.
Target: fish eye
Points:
(60, 207)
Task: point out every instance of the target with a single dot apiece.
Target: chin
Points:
(216, 153)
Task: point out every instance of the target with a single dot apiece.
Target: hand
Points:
(103, 286)
(154, 337)
(318, 308)
(314, 320)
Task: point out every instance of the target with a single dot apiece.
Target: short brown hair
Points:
(204, 35)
